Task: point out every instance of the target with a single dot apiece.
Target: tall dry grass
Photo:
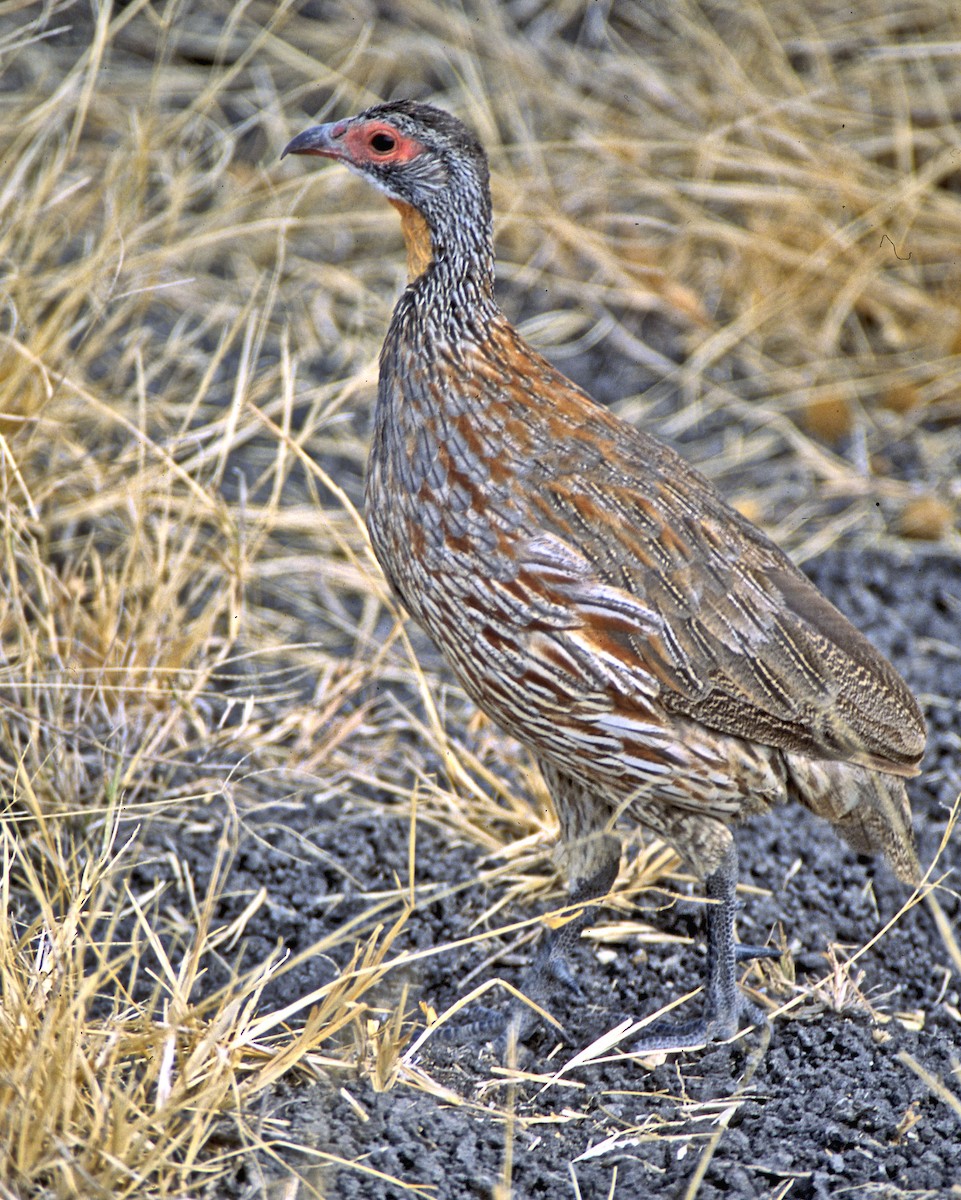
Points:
(189, 611)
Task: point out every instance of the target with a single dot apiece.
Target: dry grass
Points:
(189, 612)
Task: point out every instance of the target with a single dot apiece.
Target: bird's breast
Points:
(446, 477)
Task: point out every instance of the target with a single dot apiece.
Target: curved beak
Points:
(323, 140)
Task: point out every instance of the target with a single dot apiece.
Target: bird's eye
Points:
(382, 142)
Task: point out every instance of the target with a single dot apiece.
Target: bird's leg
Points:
(594, 861)
(592, 855)
(551, 964)
(725, 1004)
(551, 961)
(725, 1000)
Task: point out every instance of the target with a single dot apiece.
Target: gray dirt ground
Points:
(834, 1107)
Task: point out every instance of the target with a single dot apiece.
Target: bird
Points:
(664, 661)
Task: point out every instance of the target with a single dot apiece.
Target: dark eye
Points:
(383, 143)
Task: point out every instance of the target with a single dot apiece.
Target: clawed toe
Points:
(673, 1035)
(747, 953)
(703, 1031)
(483, 1025)
(498, 1026)
(560, 970)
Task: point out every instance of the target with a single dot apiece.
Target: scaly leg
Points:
(593, 856)
(725, 1006)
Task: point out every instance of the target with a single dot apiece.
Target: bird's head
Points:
(424, 159)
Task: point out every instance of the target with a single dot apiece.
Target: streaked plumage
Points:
(593, 593)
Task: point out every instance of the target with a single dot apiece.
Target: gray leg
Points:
(725, 1004)
(593, 856)
(551, 962)
(549, 966)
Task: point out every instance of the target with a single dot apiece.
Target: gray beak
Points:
(323, 140)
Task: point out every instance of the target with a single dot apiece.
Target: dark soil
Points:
(834, 1107)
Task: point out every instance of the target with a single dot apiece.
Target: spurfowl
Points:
(661, 657)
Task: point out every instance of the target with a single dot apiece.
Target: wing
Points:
(659, 590)
(675, 590)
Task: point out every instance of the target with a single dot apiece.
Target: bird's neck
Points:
(446, 312)
(449, 264)
(417, 239)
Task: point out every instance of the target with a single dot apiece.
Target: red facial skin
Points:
(357, 144)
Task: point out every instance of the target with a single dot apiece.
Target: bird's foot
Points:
(746, 953)
(503, 1028)
(551, 965)
(725, 1016)
(484, 1024)
(516, 1020)
(703, 1031)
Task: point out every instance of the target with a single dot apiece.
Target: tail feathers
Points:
(869, 808)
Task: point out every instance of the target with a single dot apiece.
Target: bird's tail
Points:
(869, 808)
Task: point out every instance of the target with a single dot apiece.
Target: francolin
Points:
(662, 659)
